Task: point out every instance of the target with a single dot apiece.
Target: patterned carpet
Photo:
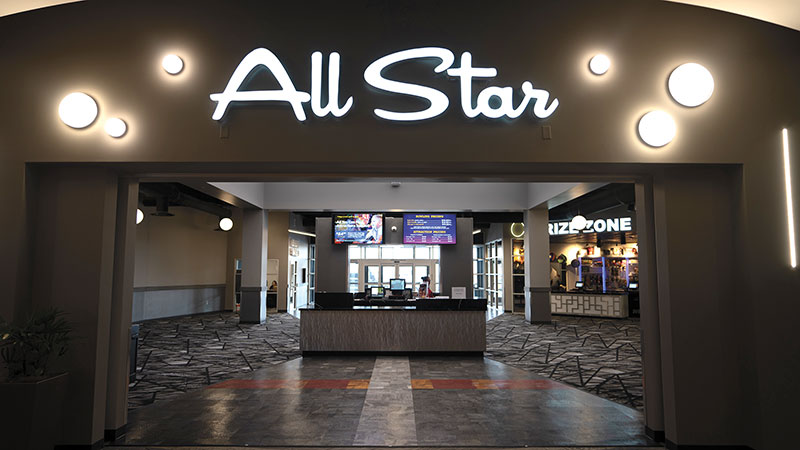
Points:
(600, 356)
(181, 354)
(177, 355)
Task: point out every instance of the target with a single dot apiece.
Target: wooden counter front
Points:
(392, 330)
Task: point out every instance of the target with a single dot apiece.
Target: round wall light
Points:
(139, 216)
(578, 222)
(225, 224)
(599, 64)
(116, 127)
(657, 128)
(173, 64)
(77, 110)
(691, 84)
(517, 229)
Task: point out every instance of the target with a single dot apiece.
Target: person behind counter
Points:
(425, 288)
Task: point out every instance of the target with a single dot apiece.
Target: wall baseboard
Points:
(113, 435)
(96, 446)
(174, 301)
(656, 435)
(673, 446)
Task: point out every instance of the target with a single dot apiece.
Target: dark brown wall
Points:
(112, 50)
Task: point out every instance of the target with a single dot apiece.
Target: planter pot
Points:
(30, 413)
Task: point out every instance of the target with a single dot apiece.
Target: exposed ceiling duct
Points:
(164, 195)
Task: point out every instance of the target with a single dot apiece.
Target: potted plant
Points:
(31, 396)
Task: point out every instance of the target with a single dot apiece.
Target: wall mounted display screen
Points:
(358, 229)
(429, 228)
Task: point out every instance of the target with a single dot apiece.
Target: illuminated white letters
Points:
(333, 87)
(438, 100)
(592, 226)
(254, 59)
(505, 94)
(493, 102)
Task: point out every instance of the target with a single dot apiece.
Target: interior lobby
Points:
(523, 224)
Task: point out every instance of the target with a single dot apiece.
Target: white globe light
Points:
(517, 229)
(599, 64)
(225, 224)
(657, 128)
(691, 84)
(578, 222)
(173, 64)
(116, 127)
(77, 110)
(139, 216)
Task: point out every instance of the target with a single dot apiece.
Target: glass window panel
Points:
(403, 252)
(421, 271)
(422, 253)
(387, 252)
(474, 252)
(388, 274)
(436, 252)
(407, 273)
(353, 273)
(372, 252)
(353, 288)
(354, 252)
(437, 273)
(474, 266)
(373, 274)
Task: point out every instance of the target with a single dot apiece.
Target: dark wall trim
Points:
(96, 446)
(177, 288)
(113, 435)
(539, 289)
(656, 435)
(253, 288)
(673, 446)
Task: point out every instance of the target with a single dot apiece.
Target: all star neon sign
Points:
(493, 102)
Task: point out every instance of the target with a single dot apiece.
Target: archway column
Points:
(254, 266)
(537, 268)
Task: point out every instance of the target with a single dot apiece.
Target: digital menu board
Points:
(358, 229)
(429, 229)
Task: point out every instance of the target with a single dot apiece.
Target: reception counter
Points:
(429, 327)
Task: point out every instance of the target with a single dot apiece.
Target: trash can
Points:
(133, 350)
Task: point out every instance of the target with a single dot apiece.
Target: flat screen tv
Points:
(432, 229)
(358, 229)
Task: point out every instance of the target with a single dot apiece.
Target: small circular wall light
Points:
(578, 222)
(116, 127)
(77, 110)
(599, 64)
(225, 224)
(139, 216)
(173, 64)
(517, 229)
(657, 128)
(691, 84)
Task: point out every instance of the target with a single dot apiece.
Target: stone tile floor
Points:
(422, 401)
(600, 356)
(181, 354)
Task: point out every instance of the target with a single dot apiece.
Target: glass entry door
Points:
(378, 273)
(373, 266)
